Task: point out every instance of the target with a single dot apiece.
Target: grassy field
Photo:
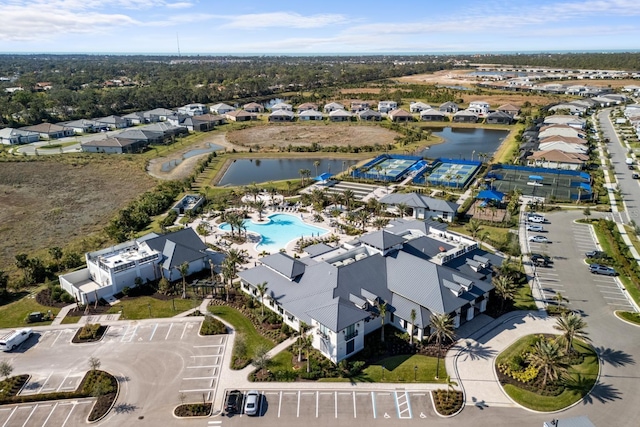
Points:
(62, 199)
(138, 308)
(242, 326)
(13, 315)
(399, 369)
(581, 379)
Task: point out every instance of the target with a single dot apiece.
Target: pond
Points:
(167, 166)
(463, 143)
(246, 171)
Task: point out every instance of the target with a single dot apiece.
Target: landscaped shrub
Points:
(447, 402)
(193, 410)
(212, 326)
(89, 333)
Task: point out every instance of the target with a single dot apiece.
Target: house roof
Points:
(334, 105)
(431, 112)
(338, 314)
(239, 113)
(178, 247)
(369, 113)
(465, 113)
(318, 249)
(340, 113)
(499, 115)
(111, 120)
(46, 128)
(310, 113)
(448, 104)
(400, 113)
(307, 106)
(251, 105)
(559, 156)
(11, 132)
(284, 113)
(562, 138)
(508, 107)
(284, 264)
(110, 142)
(416, 200)
(381, 239)
(159, 112)
(221, 106)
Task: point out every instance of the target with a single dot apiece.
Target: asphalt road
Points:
(629, 186)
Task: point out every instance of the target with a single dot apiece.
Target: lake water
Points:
(460, 143)
(167, 166)
(246, 171)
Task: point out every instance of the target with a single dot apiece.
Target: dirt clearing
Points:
(50, 203)
(274, 137)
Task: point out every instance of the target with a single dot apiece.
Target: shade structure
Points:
(490, 195)
(323, 177)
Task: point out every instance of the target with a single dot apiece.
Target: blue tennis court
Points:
(451, 173)
(386, 167)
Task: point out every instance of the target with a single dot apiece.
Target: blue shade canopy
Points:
(490, 195)
(535, 177)
(323, 177)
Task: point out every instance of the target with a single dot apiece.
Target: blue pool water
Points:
(277, 233)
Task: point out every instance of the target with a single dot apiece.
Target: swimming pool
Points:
(279, 231)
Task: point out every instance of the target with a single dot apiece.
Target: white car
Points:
(536, 218)
(538, 239)
(252, 403)
(535, 228)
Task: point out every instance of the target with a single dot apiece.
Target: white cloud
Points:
(283, 20)
(179, 5)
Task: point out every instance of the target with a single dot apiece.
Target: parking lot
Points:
(44, 414)
(330, 405)
(558, 277)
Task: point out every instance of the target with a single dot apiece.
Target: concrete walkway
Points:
(62, 313)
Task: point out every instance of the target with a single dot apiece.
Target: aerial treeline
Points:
(137, 215)
(79, 87)
(628, 61)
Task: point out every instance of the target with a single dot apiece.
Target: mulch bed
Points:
(11, 386)
(447, 402)
(193, 410)
(44, 298)
(77, 340)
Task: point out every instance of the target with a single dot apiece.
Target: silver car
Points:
(252, 403)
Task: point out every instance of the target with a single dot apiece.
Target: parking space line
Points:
(298, 410)
(335, 406)
(30, 414)
(199, 378)
(183, 331)
(169, 331)
(373, 404)
(44, 383)
(201, 366)
(56, 339)
(153, 332)
(10, 415)
(64, 380)
(50, 414)
(279, 404)
(355, 415)
(196, 390)
(209, 345)
(317, 403)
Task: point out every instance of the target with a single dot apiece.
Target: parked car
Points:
(602, 269)
(540, 260)
(538, 239)
(596, 254)
(535, 228)
(234, 401)
(539, 219)
(252, 403)
(14, 338)
(635, 175)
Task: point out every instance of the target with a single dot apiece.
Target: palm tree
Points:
(383, 313)
(236, 257)
(403, 208)
(413, 316)
(474, 228)
(184, 269)
(505, 288)
(336, 199)
(362, 217)
(316, 164)
(262, 290)
(213, 277)
(547, 356)
(442, 325)
(380, 223)
(572, 326)
(228, 273)
(259, 206)
(349, 197)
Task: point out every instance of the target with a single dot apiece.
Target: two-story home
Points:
(386, 106)
(221, 108)
(193, 109)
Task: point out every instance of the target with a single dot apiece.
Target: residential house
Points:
(113, 122)
(200, 123)
(421, 206)
(369, 116)
(572, 108)
(136, 118)
(465, 116)
(11, 136)
(359, 106)
(221, 109)
(560, 130)
(193, 109)
(431, 115)
(418, 107)
(307, 115)
(386, 106)
(281, 116)
(114, 145)
(479, 107)
(158, 115)
(400, 115)
(340, 116)
(510, 109)
(282, 106)
(449, 107)
(142, 134)
(411, 267)
(556, 159)
(565, 119)
(499, 118)
(333, 106)
(253, 107)
(150, 257)
(82, 126)
(169, 131)
(50, 130)
(307, 106)
(238, 116)
(563, 145)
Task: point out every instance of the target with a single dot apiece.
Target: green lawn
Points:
(68, 320)
(138, 308)
(14, 314)
(581, 379)
(400, 369)
(243, 326)
(629, 316)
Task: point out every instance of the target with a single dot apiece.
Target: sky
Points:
(317, 27)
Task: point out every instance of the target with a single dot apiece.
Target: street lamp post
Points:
(383, 368)
(415, 373)
(122, 311)
(149, 305)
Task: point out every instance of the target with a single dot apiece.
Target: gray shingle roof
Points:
(178, 247)
(284, 264)
(416, 200)
(381, 239)
(338, 314)
(318, 249)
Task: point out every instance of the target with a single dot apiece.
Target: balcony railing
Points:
(351, 336)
